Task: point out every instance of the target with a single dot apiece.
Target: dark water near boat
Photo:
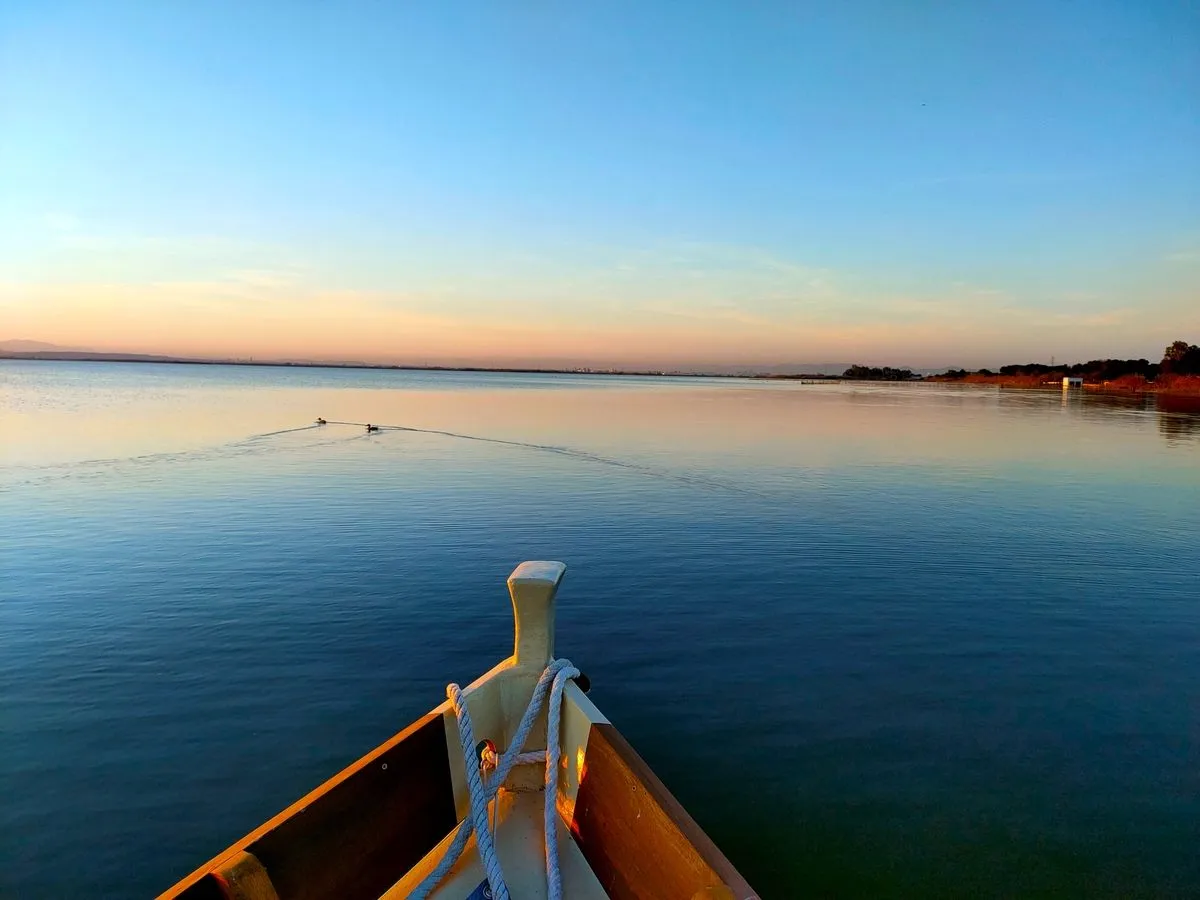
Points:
(902, 641)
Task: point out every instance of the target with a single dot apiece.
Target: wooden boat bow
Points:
(378, 827)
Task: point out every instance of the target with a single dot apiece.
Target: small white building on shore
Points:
(1069, 382)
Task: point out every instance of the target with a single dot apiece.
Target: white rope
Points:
(553, 876)
(554, 679)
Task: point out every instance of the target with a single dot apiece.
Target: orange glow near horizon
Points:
(347, 326)
(262, 316)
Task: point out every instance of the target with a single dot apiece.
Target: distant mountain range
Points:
(825, 368)
(21, 346)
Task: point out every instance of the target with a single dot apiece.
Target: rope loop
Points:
(553, 680)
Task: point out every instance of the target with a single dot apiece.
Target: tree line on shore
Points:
(886, 373)
(1179, 358)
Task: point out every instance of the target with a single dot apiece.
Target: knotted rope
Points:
(554, 679)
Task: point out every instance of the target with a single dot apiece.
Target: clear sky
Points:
(919, 183)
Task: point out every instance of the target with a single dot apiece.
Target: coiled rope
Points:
(554, 679)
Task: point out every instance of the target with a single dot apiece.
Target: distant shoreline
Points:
(82, 356)
(1177, 386)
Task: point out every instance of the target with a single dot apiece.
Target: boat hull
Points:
(381, 825)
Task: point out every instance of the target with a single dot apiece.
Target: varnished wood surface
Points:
(637, 838)
(243, 878)
(356, 834)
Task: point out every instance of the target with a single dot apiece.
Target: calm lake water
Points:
(886, 641)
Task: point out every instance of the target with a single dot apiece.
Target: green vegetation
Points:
(1093, 370)
(1177, 371)
(1181, 358)
(887, 373)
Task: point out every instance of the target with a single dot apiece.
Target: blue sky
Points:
(919, 183)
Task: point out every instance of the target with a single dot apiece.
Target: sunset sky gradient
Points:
(602, 184)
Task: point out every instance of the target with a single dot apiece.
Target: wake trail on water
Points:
(267, 434)
(261, 444)
(252, 445)
(691, 480)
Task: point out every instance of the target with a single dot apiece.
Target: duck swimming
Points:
(371, 427)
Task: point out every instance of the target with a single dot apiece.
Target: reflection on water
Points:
(882, 640)
(1179, 418)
